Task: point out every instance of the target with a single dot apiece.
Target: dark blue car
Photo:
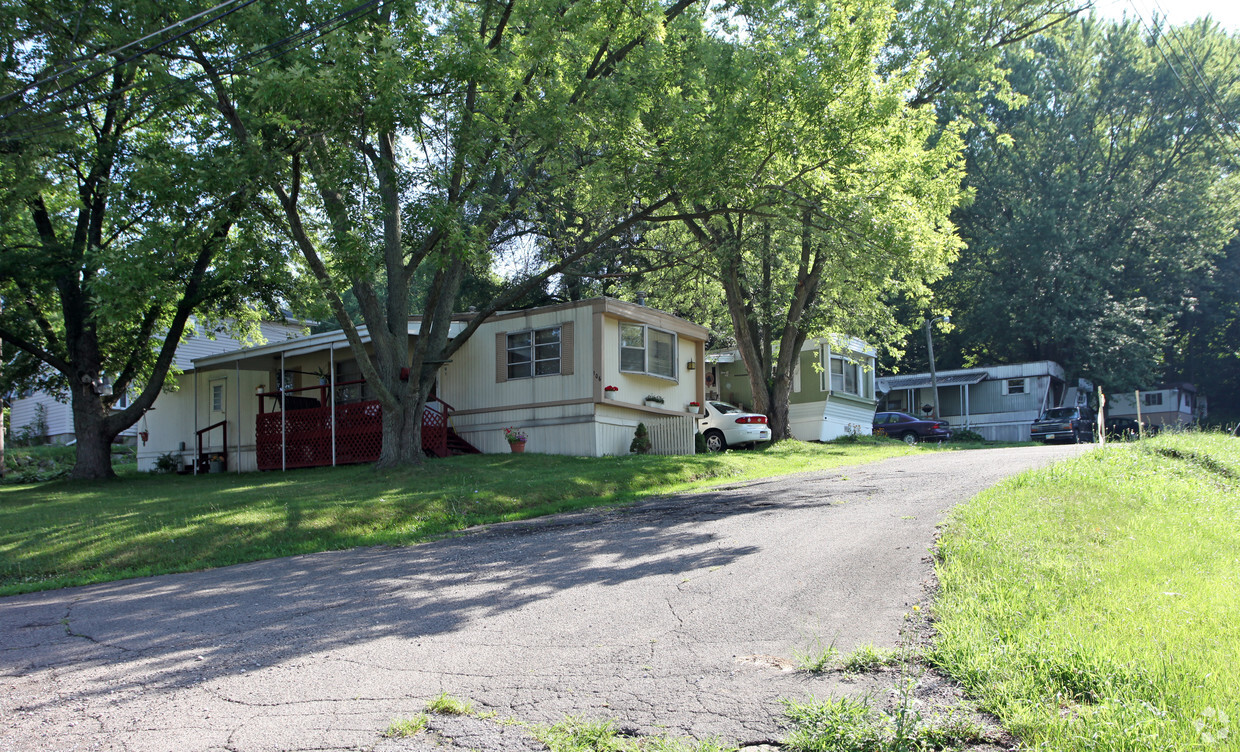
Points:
(911, 430)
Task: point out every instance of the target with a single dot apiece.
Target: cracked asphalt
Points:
(677, 616)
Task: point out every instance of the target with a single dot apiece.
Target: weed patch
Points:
(867, 657)
(406, 727)
(446, 704)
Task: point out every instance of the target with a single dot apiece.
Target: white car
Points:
(725, 425)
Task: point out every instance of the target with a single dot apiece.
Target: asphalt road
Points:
(671, 617)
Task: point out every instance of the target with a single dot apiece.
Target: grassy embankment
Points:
(64, 533)
(1095, 605)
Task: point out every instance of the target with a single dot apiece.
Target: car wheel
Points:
(909, 438)
(715, 441)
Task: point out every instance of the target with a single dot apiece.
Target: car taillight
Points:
(752, 419)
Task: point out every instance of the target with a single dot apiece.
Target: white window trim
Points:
(533, 361)
(847, 361)
(1024, 388)
(646, 329)
(222, 384)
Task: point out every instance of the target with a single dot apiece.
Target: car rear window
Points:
(725, 408)
(1059, 413)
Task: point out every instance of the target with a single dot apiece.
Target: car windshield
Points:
(1059, 413)
(725, 408)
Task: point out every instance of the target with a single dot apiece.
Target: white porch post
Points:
(331, 380)
(967, 422)
(194, 443)
(238, 417)
(283, 419)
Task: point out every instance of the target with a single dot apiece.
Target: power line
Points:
(109, 53)
(125, 61)
(229, 66)
(1155, 36)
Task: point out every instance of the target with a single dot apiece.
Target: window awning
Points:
(889, 384)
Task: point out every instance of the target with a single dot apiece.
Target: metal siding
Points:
(468, 382)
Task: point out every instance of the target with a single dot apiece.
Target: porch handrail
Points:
(198, 435)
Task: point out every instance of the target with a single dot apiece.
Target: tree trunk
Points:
(94, 440)
(777, 415)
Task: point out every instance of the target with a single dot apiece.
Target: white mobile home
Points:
(1165, 405)
(197, 343)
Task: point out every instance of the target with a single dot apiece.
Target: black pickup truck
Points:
(1071, 424)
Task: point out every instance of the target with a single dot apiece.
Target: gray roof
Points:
(922, 381)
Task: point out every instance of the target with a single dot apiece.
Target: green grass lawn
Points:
(1095, 605)
(70, 533)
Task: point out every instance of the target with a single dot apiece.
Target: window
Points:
(1152, 399)
(1015, 386)
(217, 396)
(644, 349)
(845, 375)
(534, 353)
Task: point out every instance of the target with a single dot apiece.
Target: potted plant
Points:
(695, 406)
(516, 439)
(609, 391)
(653, 400)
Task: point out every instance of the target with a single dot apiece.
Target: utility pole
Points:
(934, 379)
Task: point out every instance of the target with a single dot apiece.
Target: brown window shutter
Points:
(501, 357)
(566, 348)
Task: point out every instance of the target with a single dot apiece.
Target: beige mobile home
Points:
(546, 371)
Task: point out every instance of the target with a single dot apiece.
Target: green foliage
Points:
(833, 725)
(867, 657)
(403, 728)
(124, 202)
(582, 735)
(37, 463)
(699, 443)
(1101, 205)
(965, 436)
(641, 440)
(1088, 604)
(817, 657)
(446, 704)
(168, 462)
(33, 433)
(853, 725)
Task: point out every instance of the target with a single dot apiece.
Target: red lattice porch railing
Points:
(307, 435)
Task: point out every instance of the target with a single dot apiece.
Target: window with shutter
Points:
(534, 352)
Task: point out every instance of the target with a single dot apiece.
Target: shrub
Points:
(167, 463)
(965, 435)
(641, 440)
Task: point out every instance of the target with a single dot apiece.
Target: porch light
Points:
(691, 365)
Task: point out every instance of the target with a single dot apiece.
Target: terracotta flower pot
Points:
(517, 447)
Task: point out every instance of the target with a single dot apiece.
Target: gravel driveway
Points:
(671, 617)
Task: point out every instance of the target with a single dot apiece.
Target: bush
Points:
(641, 440)
(699, 443)
(965, 435)
(167, 463)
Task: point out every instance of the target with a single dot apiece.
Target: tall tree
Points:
(1101, 202)
(118, 202)
(435, 137)
(827, 186)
